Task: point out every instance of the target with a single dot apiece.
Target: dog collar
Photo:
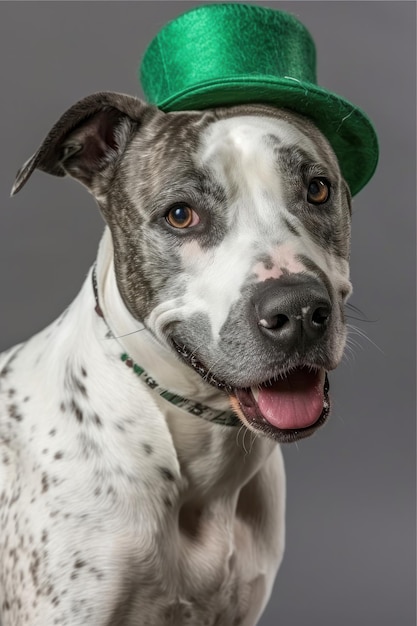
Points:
(225, 418)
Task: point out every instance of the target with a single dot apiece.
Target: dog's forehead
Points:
(259, 156)
(248, 137)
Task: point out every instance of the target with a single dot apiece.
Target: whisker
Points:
(359, 319)
(352, 343)
(127, 334)
(244, 437)
(361, 333)
(209, 371)
(254, 437)
(349, 351)
(358, 311)
(242, 428)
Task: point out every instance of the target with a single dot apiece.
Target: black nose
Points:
(294, 311)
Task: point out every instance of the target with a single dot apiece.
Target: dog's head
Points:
(231, 231)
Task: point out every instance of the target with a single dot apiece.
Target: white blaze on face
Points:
(237, 152)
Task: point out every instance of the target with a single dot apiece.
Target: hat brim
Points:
(347, 128)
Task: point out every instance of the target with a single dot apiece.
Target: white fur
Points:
(126, 533)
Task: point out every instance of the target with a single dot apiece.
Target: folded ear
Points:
(88, 139)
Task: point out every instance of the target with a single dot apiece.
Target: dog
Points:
(141, 477)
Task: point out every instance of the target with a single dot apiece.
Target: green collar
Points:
(225, 418)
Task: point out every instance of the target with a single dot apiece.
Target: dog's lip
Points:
(189, 357)
(244, 404)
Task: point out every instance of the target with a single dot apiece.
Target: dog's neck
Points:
(139, 343)
(163, 365)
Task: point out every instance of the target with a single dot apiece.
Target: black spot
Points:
(26, 399)
(62, 407)
(45, 483)
(34, 568)
(44, 536)
(272, 140)
(148, 448)
(13, 412)
(11, 393)
(79, 563)
(77, 411)
(72, 383)
(5, 371)
(167, 474)
(52, 432)
(168, 503)
(99, 575)
(81, 388)
(97, 420)
(58, 455)
(83, 372)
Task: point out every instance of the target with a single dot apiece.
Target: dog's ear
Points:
(88, 138)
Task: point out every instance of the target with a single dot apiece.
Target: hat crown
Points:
(226, 41)
(227, 54)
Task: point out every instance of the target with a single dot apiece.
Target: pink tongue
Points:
(294, 402)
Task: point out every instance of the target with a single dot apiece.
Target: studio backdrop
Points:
(350, 547)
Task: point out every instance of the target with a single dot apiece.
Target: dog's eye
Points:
(318, 191)
(182, 216)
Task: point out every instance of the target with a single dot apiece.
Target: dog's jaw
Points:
(296, 405)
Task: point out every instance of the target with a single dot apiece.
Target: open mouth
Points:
(286, 409)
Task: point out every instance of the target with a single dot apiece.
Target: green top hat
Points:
(226, 54)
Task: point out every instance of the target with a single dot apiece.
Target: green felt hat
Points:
(226, 54)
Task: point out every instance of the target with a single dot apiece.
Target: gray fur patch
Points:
(327, 224)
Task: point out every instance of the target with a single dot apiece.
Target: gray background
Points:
(351, 488)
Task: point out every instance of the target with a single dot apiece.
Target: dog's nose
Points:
(294, 311)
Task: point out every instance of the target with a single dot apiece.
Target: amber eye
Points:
(182, 216)
(318, 191)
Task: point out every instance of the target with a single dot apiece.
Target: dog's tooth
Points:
(255, 393)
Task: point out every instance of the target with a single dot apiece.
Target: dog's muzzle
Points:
(292, 313)
(291, 317)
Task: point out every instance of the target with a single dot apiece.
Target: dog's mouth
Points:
(287, 408)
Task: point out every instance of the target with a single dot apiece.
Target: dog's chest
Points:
(149, 556)
(114, 509)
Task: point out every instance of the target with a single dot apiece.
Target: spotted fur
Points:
(117, 508)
